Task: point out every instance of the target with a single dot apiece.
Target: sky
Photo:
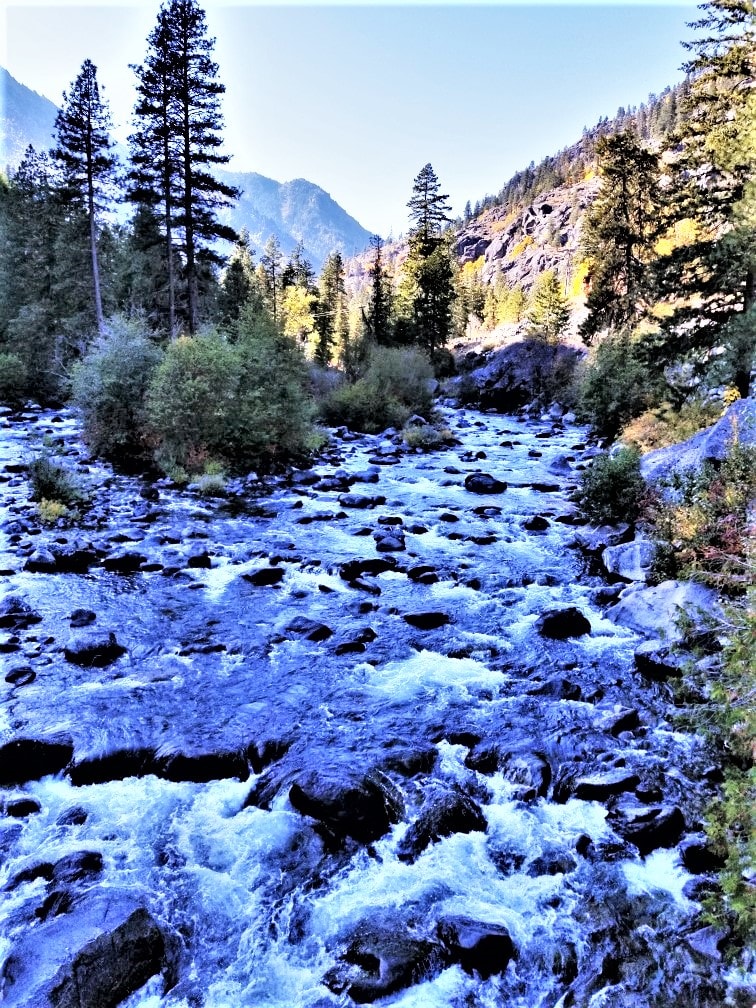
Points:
(359, 97)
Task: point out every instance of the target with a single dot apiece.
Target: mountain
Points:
(27, 118)
(292, 211)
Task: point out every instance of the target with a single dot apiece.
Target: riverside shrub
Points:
(612, 490)
(242, 403)
(617, 386)
(109, 388)
(396, 382)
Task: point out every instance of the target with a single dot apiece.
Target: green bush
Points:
(242, 403)
(396, 383)
(617, 386)
(13, 378)
(52, 482)
(612, 490)
(109, 389)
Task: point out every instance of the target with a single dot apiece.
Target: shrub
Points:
(50, 512)
(426, 436)
(13, 378)
(705, 532)
(665, 425)
(109, 388)
(244, 403)
(51, 481)
(396, 383)
(617, 386)
(612, 490)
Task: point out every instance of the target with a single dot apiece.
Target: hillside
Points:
(27, 118)
(294, 211)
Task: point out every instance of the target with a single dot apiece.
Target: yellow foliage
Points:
(577, 286)
(683, 233)
(50, 511)
(520, 247)
(471, 270)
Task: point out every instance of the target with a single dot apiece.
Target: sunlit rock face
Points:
(378, 730)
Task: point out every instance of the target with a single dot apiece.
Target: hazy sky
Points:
(357, 98)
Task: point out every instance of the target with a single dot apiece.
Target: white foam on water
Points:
(429, 673)
(659, 872)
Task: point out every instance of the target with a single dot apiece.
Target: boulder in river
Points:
(382, 959)
(485, 949)
(559, 624)
(16, 613)
(22, 760)
(448, 810)
(484, 483)
(361, 807)
(657, 611)
(95, 956)
(93, 648)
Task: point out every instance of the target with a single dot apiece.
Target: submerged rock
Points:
(349, 806)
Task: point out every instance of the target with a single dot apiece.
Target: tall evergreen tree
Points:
(710, 280)
(331, 321)
(379, 309)
(269, 272)
(428, 284)
(240, 287)
(621, 229)
(176, 145)
(548, 311)
(86, 160)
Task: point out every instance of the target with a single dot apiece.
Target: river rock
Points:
(484, 483)
(201, 768)
(656, 611)
(559, 624)
(482, 949)
(360, 501)
(597, 538)
(309, 629)
(96, 956)
(446, 811)
(353, 569)
(427, 620)
(116, 765)
(127, 562)
(81, 618)
(698, 856)
(656, 661)
(16, 613)
(629, 561)
(382, 959)
(93, 648)
(41, 561)
(602, 787)
(347, 805)
(649, 828)
(23, 760)
(712, 444)
(265, 576)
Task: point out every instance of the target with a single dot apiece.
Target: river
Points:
(332, 750)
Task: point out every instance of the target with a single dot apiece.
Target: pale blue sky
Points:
(357, 98)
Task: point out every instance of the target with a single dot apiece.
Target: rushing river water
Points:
(331, 750)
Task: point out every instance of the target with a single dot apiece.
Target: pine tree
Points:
(548, 312)
(240, 287)
(331, 315)
(711, 279)
(379, 309)
(176, 146)
(428, 285)
(269, 273)
(620, 231)
(85, 158)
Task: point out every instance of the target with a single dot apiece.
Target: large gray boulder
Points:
(106, 948)
(712, 444)
(656, 612)
(517, 375)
